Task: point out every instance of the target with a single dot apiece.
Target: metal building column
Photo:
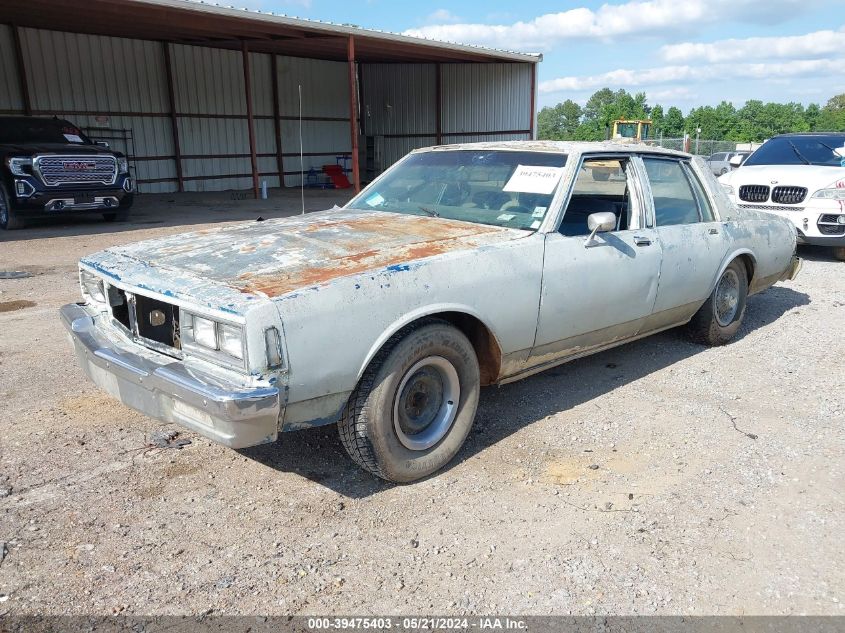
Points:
(277, 123)
(531, 121)
(253, 158)
(174, 120)
(438, 105)
(353, 111)
(22, 82)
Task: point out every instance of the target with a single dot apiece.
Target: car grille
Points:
(754, 193)
(789, 195)
(77, 170)
(829, 225)
(769, 207)
(152, 322)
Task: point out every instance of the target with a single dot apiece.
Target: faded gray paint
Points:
(340, 283)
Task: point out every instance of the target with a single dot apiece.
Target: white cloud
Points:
(629, 78)
(635, 17)
(811, 45)
(442, 16)
(681, 93)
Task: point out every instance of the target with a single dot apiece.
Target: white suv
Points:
(800, 177)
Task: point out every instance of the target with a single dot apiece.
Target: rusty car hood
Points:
(275, 257)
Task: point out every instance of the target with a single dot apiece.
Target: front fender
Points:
(732, 255)
(416, 315)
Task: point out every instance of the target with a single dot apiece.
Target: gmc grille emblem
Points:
(78, 165)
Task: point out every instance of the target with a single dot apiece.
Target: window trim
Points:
(697, 192)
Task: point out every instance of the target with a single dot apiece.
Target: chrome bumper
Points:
(233, 415)
(794, 268)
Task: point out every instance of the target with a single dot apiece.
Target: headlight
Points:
(18, 165)
(830, 194)
(230, 339)
(92, 286)
(215, 340)
(729, 189)
(205, 333)
(122, 165)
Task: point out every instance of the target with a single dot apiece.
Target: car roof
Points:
(797, 134)
(558, 147)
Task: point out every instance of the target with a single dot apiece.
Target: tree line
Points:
(753, 122)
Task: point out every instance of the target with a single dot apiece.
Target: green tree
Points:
(559, 123)
(832, 115)
(673, 123)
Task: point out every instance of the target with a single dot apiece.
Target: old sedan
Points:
(460, 266)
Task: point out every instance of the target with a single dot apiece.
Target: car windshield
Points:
(34, 130)
(502, 188)
(817, 149)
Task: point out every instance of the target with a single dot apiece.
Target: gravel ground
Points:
(659, 477)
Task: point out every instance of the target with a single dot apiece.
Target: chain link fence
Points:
(701, 147)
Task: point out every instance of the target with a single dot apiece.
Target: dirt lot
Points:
(659, 477)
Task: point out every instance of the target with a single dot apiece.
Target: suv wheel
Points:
(9, 220)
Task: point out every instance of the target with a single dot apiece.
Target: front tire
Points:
(839, 253)
(9, 220)
(719, 319)
(415, 404)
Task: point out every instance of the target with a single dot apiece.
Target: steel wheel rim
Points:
(4, 212)
(727, 298)
(426, 403)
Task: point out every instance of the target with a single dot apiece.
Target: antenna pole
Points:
(301, 164)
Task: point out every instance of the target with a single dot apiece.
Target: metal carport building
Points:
(207, 98)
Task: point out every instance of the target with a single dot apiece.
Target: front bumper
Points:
(231, 414)
(820, 240)
(35, 198)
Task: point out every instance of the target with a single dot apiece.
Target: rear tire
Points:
(839, 253)
(9, 219)
(415, 404)
(719, 319)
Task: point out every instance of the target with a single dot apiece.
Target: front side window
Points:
(502, 188)
(602, 185)
(674, 200)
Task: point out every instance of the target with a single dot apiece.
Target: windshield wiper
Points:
(799, 154)
(431, 212)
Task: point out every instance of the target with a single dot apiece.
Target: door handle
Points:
(714, 231)
(642, 241)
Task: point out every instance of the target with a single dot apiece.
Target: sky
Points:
(685, 53)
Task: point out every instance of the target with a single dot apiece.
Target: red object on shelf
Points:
(335, 172)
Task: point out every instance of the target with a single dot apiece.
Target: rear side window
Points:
(674, 200)
(717, 157)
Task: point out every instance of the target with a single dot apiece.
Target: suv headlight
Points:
(122, 165)
(213, 339)
(830, 194)
(92, 286)
(18, 165)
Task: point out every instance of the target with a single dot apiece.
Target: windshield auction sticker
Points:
(531, 179)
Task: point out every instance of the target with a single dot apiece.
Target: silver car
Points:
(461, 266)
(720, 162)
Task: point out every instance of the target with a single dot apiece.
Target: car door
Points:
(693, 242)
(594, 294)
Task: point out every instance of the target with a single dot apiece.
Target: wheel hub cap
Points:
(727, 298)
(426, 403)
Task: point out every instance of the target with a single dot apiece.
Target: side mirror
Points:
(599, 223)
(736, 160)
(101, 144)
(840, 151)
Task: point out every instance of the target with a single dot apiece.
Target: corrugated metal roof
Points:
(348, 29)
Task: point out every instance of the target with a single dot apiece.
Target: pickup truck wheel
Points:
(718, 320)
(839, 253)
(414, 405)
(9, 220)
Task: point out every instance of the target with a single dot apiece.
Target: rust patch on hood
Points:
(405, 238)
